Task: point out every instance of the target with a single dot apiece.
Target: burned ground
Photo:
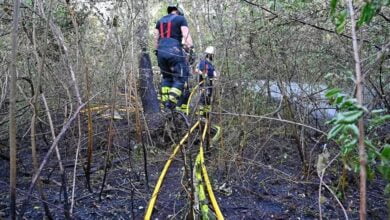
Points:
(265, 180)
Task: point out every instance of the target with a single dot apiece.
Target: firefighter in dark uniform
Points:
(172, 39)
(207, 74)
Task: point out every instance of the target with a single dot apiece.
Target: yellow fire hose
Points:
(96, 108)
(105, 107)
(189, 98)
(209, 188)
(213, 200)
(153, 199)
(216, 127)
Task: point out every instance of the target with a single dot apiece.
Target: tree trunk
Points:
(147, 92)
(359, 97)
(12, 111)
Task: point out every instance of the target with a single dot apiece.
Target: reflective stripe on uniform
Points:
(162, 30)
(207, 108)
(184, 107)
(174, 94)
(169, 29)
(165, 93)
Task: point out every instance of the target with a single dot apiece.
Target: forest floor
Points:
(266, 181)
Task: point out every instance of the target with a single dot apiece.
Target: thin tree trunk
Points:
(75, 168)
(62, 169)
(12, 110)
(90, 134)
(88, 95)
(35, 106)
(359, 97)
(107, 164)
(140, 139)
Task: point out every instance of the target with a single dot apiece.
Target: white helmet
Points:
(210, 50)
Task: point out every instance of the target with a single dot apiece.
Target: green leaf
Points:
(348, 103)
(347, 148)
(350, 116)
(335, 130)
(331, 121)
(339, 99)
(387, 188)
(367, 14)
(371, 147)
(332, 92)
(380, 120)
(344, 137)
(353, 128)
(371, 156)
(385, 154)
(385, 171)
(333, 5)
(370, 173)
(341, 21)
(377, 111)
(29, 2)
(356, 167)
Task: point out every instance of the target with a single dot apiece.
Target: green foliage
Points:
(62, 17)
(339, 17)
(288, 5)
(344, 130)
(378, 120)
(370, 9)
(346, 134)
(28, 2)
(333, 5)
(341, 21)
(384, 167)
(367, 13)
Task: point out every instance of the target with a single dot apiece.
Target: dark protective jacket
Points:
(206, 67)
(169, 28)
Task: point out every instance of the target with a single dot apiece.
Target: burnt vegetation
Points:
(299, 125)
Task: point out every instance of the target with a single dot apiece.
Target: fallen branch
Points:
(269, 118)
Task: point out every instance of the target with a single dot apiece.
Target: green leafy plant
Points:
(367, 12)
(345, 132)
(339, 17)
(370, 9)
(384, 166)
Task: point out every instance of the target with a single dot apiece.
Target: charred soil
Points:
(263, 180)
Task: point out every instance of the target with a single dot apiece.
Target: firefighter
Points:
(207, 74)
(172, 42)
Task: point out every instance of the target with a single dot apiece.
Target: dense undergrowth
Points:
(290, 140)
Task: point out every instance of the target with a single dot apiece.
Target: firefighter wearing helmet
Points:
(172, 39)
(207, 74)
